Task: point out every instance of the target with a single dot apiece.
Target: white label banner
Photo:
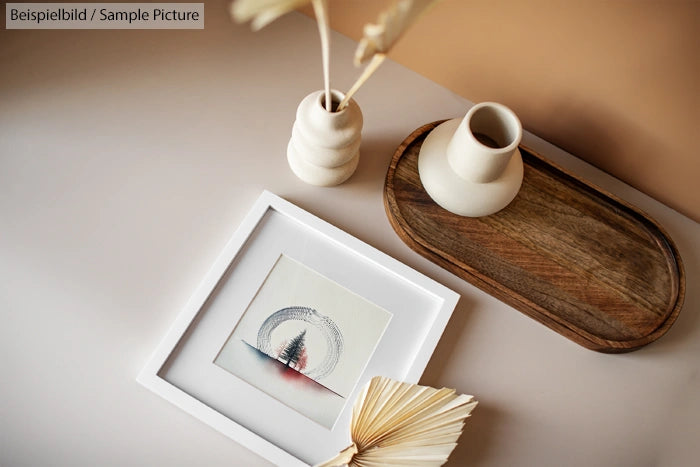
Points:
(104, 16)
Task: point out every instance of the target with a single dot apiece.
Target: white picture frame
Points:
(182, 368)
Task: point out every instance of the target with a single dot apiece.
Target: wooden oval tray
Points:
(579, 260)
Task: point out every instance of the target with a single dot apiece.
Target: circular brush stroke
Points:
(334, 338)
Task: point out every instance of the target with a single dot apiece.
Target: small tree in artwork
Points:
(301, 364)
(294, 350)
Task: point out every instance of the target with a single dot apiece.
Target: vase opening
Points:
(494, 127)
(336, 98)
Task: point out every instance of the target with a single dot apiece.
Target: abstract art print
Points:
(304, 340)
(293, 318)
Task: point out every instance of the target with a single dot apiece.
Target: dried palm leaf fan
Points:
(396, 423)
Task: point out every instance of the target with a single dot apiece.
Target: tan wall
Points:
(615, 82)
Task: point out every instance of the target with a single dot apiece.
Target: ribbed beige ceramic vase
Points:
(324, 148)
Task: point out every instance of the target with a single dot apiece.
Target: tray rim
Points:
(517, 301)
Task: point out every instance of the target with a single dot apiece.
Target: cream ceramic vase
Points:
(472, 166)
(324, 149)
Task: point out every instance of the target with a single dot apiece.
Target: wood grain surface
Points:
(581, 261)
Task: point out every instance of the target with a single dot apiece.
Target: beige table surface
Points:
(127, 159)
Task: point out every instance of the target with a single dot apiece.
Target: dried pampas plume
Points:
(378, 37)
(263, 12)
(392, 23)
(381, 36)
(396, 423)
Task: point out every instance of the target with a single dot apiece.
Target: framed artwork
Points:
(291, 321)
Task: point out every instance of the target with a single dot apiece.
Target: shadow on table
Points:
(478, 437)
(375, 156)
(479, 431)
